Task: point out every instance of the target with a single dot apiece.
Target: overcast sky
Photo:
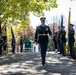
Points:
(63, 9)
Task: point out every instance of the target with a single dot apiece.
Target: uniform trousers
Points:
(13, 49)
(0, 49)
(43, 51)
(71, 45)
(21, 46)
(60, 47)
(63, 49)
(5, 47)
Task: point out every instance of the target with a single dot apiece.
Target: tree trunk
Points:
(0, 29)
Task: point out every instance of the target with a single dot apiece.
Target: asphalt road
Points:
(30, 64)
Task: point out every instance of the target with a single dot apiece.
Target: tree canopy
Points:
(18, 11)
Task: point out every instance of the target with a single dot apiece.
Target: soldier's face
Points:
(43, 22)
(71, 27)
(62, 28)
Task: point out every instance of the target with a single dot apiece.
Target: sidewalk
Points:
(30, 64)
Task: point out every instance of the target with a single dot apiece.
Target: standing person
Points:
(1, 44)
(63, 39)
(5, 43)
(13, 45)
(71, 41)
(21, 44)
(55, 41)
(41, 36)
(60, 41)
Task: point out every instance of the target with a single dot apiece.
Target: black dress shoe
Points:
(1, 54)
(43, 62)
(64, 54)
(73, 57)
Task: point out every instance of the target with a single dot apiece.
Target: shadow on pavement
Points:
(30, 64)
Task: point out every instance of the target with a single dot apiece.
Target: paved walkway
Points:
(30, 64)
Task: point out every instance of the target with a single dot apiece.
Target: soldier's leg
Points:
(71, 49)
(61, 44)
(63, 49)
(73, 53)
(4, 48)
(60, 47)
(13, 49)
(56, 47)
(43, 52)
(0, 50)
(21, 47)
(41, 49)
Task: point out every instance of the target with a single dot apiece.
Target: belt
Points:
(43, 34)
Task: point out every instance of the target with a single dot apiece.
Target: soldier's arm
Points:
(65, 32)
(1, 42)
(71, 33)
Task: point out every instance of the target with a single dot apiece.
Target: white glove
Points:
(50, 37)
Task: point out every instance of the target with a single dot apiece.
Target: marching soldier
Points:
(13, 45)
(21, 44)
(41, 36)
(71, 41)
(1, 44)
(63, 40)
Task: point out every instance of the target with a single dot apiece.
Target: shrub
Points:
(75, 48)
(67, 49)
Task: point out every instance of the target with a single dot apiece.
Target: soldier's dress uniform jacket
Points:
(71, 42)
(63, 38)
(71, 35)
(42, 32)
(63, 41)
